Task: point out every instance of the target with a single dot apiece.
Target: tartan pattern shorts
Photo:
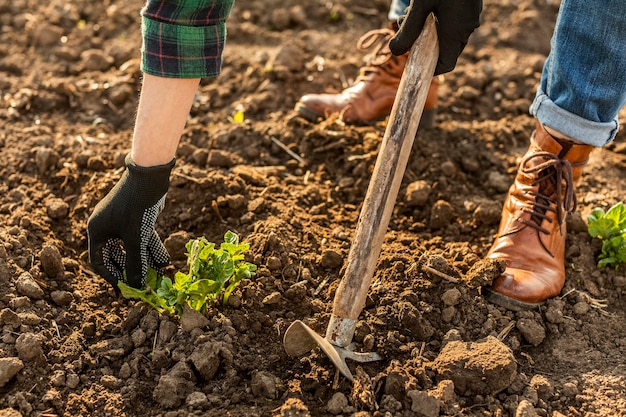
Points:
(184, 38)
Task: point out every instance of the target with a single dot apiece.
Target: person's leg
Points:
(371, 96)
(583, 87)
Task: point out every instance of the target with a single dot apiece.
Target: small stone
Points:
(206, 359)
(542, 385)
(9, 367)
(280, 18)
(447, 314)
(451, 297)
(72, 381)
(236, 202)
(289, 57)
(61, 298)
(192, 319)
(525, 409)
(417, 193)
(96, 60)
(47, 35)
(8, 316)
(197, 400)
(337, 403)
(294, 407)
(138, 337)
(273, 298)
(19, 303)
(331, 259)
(51, 260)
(487, 213)
(167, 329)
(120, 94)
(445, 392)
(96, 163)
(581, 308)
(175, 244)
(170, 391)
(57, 209)
(264, 384)
(570, 389)
(29, 348)
(257, 205)
(111, 382)
(220, 158)
(273, 264)
(423, 404)
(234, 300)
(441, 215)
(26, 285)
(45, 158)
(498, 181)
(532, 331)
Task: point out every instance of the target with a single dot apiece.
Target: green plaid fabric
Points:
(184, 38)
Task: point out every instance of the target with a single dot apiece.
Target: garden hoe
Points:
(374, 217)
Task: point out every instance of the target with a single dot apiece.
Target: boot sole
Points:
(426, 122)
(508, 302)
(307, 113)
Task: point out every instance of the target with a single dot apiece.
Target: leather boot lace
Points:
(555, 193)
(380, 56)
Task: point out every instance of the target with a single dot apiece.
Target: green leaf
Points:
(617, 214)
(610, 228)
(152, 278)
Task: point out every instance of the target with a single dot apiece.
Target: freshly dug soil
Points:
(71, 346)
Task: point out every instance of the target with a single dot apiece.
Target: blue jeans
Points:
(396, 9)
(583, 84)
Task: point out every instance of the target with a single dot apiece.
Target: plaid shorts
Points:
(184, 38)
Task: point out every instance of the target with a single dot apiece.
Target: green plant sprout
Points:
(213, 274)
(610, 228)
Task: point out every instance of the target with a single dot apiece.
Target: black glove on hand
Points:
(121, 227)
(456, 20)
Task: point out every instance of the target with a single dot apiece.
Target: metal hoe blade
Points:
(300, 339)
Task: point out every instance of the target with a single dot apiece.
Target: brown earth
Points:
(71, 346)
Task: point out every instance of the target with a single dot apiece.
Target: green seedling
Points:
(610, 228)
(214, 273)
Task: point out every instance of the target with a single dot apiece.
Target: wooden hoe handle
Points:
(384, 185)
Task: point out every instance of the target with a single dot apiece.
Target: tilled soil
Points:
(71, 346)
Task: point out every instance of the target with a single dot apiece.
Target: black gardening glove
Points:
(121, 227)
(456, 20)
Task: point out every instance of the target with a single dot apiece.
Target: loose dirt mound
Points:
(69, 77)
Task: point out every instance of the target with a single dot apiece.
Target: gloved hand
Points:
(121, 228)
(456, 20)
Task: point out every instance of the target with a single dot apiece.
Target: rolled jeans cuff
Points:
(597, 134)
(179, 51)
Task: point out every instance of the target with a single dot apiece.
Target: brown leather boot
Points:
(371, 96)
(531, 237)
